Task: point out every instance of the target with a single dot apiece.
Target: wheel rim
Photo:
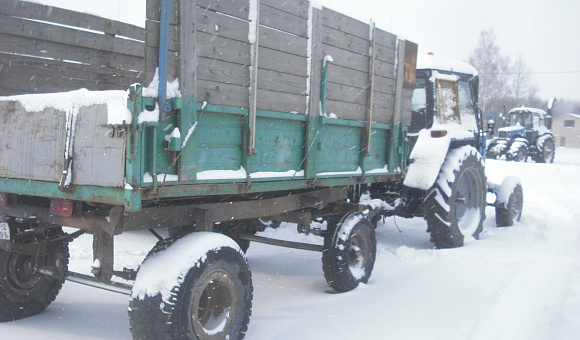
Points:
(548, 151)
(468, 202)
(358, 252)
(517, 206)
(214, 305)
(21, 272)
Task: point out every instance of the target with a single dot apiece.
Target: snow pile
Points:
(71, 102)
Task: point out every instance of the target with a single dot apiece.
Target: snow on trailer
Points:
(251, 118)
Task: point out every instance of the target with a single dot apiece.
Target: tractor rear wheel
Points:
(455, 205)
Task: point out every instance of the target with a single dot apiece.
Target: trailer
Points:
(253, 113)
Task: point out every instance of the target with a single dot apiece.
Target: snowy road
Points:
(516, 283)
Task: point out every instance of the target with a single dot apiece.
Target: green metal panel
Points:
(378, 150)
(339, 148)
(218, 139)
(279, 145)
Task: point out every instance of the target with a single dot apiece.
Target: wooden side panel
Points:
(48, 49)
(33, 143)
(348, 42)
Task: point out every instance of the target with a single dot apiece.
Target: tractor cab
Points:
(445, 99)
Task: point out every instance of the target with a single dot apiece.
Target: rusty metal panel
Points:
(32, 144)
(99, 150)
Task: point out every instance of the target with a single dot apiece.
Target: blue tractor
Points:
(529, 134)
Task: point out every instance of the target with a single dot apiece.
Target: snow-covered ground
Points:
(521, 282)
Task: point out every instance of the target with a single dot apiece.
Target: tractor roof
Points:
(524, 109)
(430, 62)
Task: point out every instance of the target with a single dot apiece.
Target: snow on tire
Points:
(546, 149)
(509, 202)
(349, 252)
(195, 287)
(455, 205)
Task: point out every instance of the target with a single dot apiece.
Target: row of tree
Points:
(504, 84)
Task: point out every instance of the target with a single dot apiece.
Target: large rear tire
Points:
(196, 287)
(24, 289)
(455, 205)
(546, 149)
(518, 152)
(349, 252)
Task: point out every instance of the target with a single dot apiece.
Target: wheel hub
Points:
(212, 309)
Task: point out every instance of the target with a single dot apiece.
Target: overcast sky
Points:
(546, 33)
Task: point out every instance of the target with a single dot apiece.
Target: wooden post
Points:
(187, 85)
(313, 127)
(400, 81)
(371, 91)
(255, 36)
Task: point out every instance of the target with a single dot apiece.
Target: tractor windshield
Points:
(523, 119)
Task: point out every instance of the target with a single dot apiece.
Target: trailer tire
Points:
(509, 209)
(210, 297)
(24, 291)
(349, 252)
(546, 151)
(455, 205)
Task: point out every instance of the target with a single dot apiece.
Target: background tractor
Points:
(528, 135)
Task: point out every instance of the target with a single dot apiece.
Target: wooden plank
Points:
(31, 75)
(278, 19)
(386, 39)
(68, 36)
(234, 95)
(298, 8)
(47, 49)
(283, 42)
(23, 9)
(283, 62)
(352, 111)
(345, 41)
(220, 25)
(236, 74)
(345, 76)
(235, 8)
(343, 23)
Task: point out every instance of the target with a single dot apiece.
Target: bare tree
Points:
(493, 72)
(521, 82)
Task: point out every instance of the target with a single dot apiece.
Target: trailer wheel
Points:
(24, 290)
(455, 205)
(349, 252)
(196, 287)
(509, 203)
(546, 150)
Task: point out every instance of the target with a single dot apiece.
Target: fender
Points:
(426, 159)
